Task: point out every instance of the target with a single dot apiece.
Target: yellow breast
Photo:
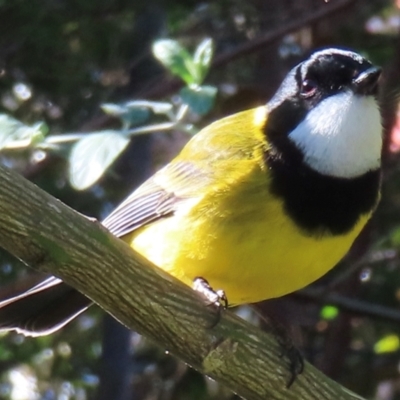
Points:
(241, 241)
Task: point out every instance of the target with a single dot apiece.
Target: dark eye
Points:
(308, 88)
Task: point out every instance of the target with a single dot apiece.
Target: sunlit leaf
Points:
(329, 312)
(388, 344)
(157, 107)
(200, 99)
(202, 58)
(39, 132)
(115, 110)
(91, 156)
(395, 237)
(12, 130)
(176, 59)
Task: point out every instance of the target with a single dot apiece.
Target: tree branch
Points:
(294, 24)
(52, 238)
(350, 305)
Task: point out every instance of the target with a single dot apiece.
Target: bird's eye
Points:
(308, 88)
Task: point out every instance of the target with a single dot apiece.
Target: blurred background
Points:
(92, 102)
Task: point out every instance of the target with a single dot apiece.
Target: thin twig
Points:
(270, 36)
(354, 306)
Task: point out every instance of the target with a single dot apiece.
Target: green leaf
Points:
(115, 110)
(176, 59)
(329, 312)
(200, 99)
(202, 59)
(395, 237)
(12, 130)
(157, 107)
(92, 155)
(39, 132)
(388, 344)
(136, 114)
(130, 114)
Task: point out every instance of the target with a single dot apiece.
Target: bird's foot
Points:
(216, 298)
(289, 350)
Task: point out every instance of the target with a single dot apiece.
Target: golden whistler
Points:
(258, 204)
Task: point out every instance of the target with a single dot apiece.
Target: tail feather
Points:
(43, 309)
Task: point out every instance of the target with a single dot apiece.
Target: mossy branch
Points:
(52, 238)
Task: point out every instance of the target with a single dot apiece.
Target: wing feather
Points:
(156, 198)
(137, 210)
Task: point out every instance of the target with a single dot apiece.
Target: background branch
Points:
(350, 305)
(280, 31)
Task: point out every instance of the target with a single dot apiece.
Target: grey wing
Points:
(157, 198)
(149, 203)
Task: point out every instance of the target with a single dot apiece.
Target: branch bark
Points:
(52, 238)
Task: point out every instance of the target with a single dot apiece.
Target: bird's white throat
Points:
(342, 136)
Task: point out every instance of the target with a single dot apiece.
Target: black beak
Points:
(366, 83)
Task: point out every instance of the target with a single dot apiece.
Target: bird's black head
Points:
(326, 73)
(325, 114)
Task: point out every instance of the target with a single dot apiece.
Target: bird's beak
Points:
(366, 83)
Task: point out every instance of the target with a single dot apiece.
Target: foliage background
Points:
(60, 60)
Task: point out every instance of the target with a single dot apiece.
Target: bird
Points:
(257, 204)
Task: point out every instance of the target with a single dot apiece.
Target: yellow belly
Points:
(244, 245)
